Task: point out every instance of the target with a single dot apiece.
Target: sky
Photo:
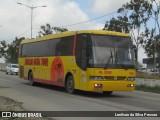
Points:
(15, 20)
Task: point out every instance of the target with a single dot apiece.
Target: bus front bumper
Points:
(111, 86)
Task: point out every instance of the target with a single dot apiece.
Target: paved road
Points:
(50, 98)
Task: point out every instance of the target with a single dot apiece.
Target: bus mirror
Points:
(135, 54)
(133, 46)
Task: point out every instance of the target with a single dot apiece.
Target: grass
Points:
(145, 88)
(2, 70)
(147, 76)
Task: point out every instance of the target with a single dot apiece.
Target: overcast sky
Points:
(15, 19)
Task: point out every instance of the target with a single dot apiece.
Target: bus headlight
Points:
(96, 78)
(98, 86)
(130, 85)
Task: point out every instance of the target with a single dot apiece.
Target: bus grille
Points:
(115, 77)
(121, 78)
(109, 77)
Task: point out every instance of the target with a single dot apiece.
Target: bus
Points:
(86, 60)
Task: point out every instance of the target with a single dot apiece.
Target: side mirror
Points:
(135, 54)
(133, 46)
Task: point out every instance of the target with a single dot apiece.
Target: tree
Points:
(152, 43)
(47, 29)
(155, 11)
(58, 29)
(138, 14)
(3, 47)
(119, 24)
(10, 51)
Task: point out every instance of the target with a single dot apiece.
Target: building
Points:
(2, 66)
(150, 63)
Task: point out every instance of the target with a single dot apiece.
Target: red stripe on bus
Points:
(49, 82)
(74, 47)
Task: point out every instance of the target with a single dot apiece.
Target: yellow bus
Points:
(87, 60)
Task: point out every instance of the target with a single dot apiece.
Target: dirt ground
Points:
(7, 104)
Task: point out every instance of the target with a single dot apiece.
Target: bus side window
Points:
(58, 49)
(65, 46)
(81, 51)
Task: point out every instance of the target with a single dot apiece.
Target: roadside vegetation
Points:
(145, 88)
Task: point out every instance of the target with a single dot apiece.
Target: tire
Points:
(107, 92)
(6, 72)
(31, 79)
(70, 85)
(10, 72)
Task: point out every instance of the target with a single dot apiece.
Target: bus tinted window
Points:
(66, 44)
(58, 47)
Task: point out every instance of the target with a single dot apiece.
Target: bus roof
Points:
(70, 33)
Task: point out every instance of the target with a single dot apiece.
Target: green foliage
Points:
(3, 47)
(119, 24)
(134, 17)
(47, 29)
(145, 88)
(152, 37)
(10, 51)
(138, 12)
(58, 29)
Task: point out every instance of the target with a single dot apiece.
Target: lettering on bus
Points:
(36, 61)
(107, 72)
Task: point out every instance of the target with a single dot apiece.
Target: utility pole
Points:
(31, 7)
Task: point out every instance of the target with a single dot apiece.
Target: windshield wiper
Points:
(109, 59)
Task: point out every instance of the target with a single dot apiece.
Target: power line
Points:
(85, 21)
(73, 23)
(88, 20)
(24, 32)
(19, 35)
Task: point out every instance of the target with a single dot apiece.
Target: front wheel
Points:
(31, 79)
(6, 72)
(70, 85)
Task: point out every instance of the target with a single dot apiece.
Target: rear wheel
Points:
(31, 79)
(70, 85)
(107, 92)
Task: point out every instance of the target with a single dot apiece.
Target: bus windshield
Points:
(111, 52)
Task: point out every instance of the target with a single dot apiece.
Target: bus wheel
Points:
(107, 92)
(31, 79)
(70, 85)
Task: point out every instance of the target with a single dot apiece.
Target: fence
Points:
(3, 66)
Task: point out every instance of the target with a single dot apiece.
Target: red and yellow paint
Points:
(53, 70)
